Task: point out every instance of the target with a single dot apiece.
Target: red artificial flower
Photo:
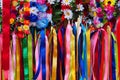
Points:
(26, 31)
(13, 15)
(64, 7)
(20, 34)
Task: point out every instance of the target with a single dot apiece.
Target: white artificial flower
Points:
(33, 24)
(51, 1)
(66, 2)
(68, 14)
(34, 10)
(49, 16)
(80, 7)
(118, 4)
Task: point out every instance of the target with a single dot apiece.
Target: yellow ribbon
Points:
(30, 65)
(54, 60)
(17, 77)
(88, 51)
(50, 49)
(72, 75)
(116, 57)
(3, 75)
(47, 60)
(109, 41)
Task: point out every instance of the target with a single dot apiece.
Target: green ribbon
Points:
(30, 57)
(25, 58)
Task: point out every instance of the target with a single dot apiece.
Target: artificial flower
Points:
(49, 17)
(14, 3)
(42, 15)
(111, 2)
(109, 11)
(51, 1)
(19, 28)
(66, 2)
(118, 4)
(12, 20)
(99, 12)
(68, 14)
(32, 23)
(26, 9)
(43, 23)
(25, 27)
(20, 34)
(33, 18)
(34, 10)
(80, 7)
(41, 7)
(26, 22)
(41, 1)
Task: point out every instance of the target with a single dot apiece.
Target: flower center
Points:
(66, 1)
(68, 13)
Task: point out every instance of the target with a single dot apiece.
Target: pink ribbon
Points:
(106, 56)
(0, 52)
(67, 46)
(93, 45)
(37, 60)
(47, 59)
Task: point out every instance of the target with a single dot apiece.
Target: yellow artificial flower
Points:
(19, 28)
(14, 3)
(26, 27)
(112, 2)
(26, 9)
(12, 20)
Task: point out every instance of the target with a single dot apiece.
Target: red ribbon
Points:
(6, 35)
(118, 41)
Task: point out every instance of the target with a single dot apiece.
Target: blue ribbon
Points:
(63, 50)
(84, 56)
(43, 54)
(113, 61)
(42, 57)
(80, 40)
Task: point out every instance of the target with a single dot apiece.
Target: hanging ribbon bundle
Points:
(59, 40)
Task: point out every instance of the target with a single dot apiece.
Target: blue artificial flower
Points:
(33, 4)
(42, 23)
(41, 8)
(33, 18)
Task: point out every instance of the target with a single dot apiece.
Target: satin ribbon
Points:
(76, 49)
(61, 34)
(72, 75)
(0, 54)
(88, 52)
(109, 41)
(93, 46)
(115, 56)
(17, 73)
(25, 58)
(47, 59)
(54, 60)
(105, 54)
(67, 57)
(30, 64)
(6, 36)
(43, 54)
(113, 60)
(118, 41)
(84, 55)
(12, 57)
